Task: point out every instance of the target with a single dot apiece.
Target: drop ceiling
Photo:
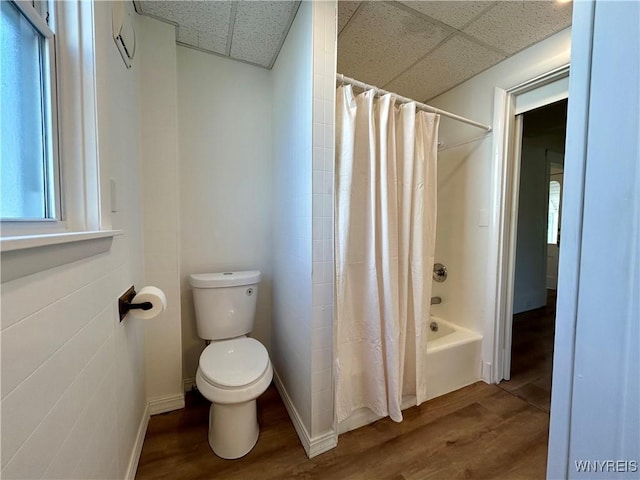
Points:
(249, 31)
(418, 49)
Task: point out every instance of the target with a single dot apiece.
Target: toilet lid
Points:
(234, 363)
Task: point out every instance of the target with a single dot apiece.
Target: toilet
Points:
(234, 370)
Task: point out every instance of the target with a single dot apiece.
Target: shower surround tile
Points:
(324, 63)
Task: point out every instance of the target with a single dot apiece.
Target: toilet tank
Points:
(225, 303)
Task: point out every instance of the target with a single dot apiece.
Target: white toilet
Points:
(234, 370)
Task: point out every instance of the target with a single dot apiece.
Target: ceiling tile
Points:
(212, 25)
(512, 26)
(187, 35)
(450, 64)
(383, 40)
(457, 14)
(213, 43)
(200, 23)
(345, 12)
(259, 29)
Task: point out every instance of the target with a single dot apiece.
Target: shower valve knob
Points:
(439, 272)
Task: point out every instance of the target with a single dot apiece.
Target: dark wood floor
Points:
(532, 354)
(479, 432)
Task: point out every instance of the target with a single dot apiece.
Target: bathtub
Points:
(453, 361)
(453, 358)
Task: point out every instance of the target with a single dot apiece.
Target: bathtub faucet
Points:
(436, 300)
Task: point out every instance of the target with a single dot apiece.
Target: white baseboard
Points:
(137, 445)
(189, 384)
(166, 404)
(322, 443)
(312, 446)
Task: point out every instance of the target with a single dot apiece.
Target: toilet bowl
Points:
(233, 370)
(232, 374)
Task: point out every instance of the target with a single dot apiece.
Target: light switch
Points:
(114, 197)
(483, 217)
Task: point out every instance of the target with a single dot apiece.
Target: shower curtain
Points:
(385, 228)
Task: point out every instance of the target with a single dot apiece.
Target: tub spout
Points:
(436, 300)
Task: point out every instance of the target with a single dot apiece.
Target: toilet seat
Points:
(235, 363)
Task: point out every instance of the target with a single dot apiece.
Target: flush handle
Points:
(249, 292)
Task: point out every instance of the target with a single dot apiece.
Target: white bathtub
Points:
(453, 362)
(453, 358)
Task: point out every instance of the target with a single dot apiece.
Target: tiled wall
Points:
(324, 73)
(292, 247)
(72, 375)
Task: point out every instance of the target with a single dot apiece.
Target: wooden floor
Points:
(532, 355)
(479, 432)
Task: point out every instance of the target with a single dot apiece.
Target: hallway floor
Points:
(478, 432)
(532, 354)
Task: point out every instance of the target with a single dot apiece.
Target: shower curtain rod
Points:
(422, 106)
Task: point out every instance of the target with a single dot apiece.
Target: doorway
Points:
(539, 206)
(510, 108)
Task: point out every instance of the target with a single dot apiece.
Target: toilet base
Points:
(233, 429)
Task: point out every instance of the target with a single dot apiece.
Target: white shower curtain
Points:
(385, 240)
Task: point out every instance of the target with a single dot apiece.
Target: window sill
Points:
(25, 255)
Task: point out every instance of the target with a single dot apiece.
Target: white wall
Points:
(292, 208)
(225, 163)
(530, 289)
(73, 393)
(465, 186)
(160, 199)
(596, 382)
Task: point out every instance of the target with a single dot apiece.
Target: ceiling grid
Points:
(418, 49)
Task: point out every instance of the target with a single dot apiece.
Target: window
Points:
(50, 177)
(554, 212)
(28, 149)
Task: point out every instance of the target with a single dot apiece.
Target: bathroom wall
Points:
(73, 389)
(466, 212)
(160, 200)
(304, 81)
(292, 81)
(324, 80)
(225, 164)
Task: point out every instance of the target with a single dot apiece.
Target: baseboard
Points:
(189, 384)
(166, 404)
(132, 468)
(312, 446)
(301, 430)
(322, 443)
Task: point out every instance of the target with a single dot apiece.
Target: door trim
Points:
(506, 158)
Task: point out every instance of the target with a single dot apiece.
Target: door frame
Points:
(506, 148)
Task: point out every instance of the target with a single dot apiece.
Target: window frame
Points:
(54, 221)
(84, 227)
(556, 220)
